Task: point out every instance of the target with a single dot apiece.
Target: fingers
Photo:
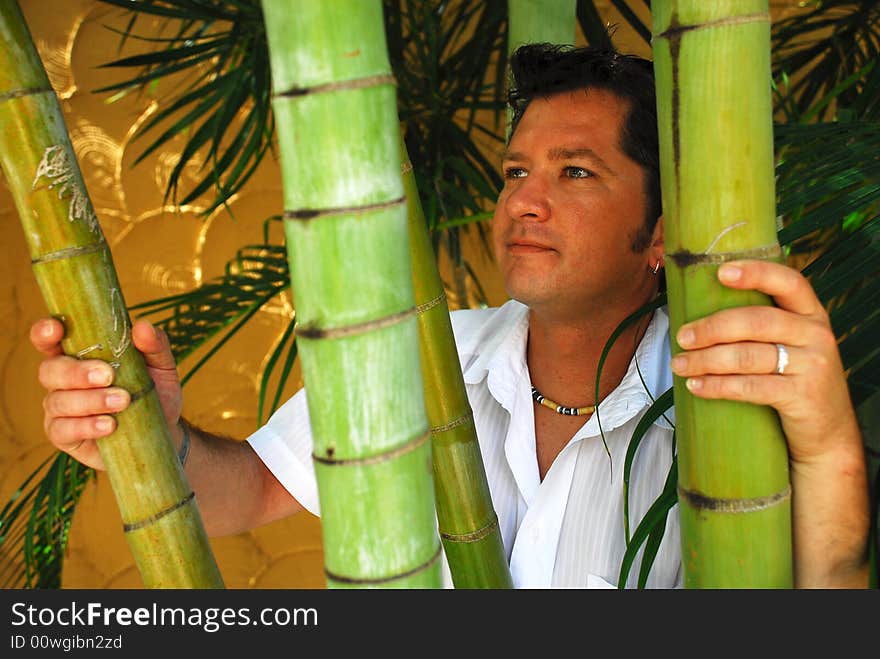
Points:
(76, 437)
(68, 434)
(732, 355)
(77, 410)
(746, 358)
(757, 323)
(773, 390)
(46, 335)
(78, 403)
(788, 287)
(154, 344)
(64, 372)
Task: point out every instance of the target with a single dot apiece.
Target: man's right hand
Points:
(81, 402)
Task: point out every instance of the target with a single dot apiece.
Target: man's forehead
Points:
(575, 118)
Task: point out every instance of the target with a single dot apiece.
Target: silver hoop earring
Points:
(656, 268)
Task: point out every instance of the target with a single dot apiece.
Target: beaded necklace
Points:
(541, 399)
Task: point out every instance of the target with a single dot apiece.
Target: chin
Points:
(528, 295)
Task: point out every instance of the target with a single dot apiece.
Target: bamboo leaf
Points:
(176, 9)
(634, 21)
(592, 24)
(285, 373)
(654, 412)
(655, 516)
(267, 372)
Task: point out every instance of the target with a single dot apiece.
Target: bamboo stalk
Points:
(335, 105)
(537, 21)
(712, 65)
(468, 524)
(74, 269)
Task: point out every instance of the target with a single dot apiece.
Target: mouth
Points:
(528, 247)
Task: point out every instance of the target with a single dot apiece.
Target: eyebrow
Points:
(562, 153)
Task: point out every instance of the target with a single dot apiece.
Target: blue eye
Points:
(578, 172)
(514, 172)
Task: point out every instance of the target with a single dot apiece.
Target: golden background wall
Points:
(157, 250)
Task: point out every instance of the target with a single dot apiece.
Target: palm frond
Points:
(592, 25)
(35, 522)
(288, 340)
(440, 53)
(819, 48)
(599, 33)
(227, 115)
(826, 173)
(253, 277)
(829, 198)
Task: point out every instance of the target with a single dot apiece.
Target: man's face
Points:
(571, 206)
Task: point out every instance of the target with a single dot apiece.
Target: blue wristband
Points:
(184, 448)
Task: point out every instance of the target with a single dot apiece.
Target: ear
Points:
(657, 250)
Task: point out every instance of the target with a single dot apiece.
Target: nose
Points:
(528, 200)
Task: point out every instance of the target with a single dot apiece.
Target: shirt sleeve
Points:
(285, 446)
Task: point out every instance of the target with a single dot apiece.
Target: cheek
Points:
(498, 227)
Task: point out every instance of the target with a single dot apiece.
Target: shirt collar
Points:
(647, 377)
(504, 343)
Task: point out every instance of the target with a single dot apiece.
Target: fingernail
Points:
(103, 424)
(679, 363)
(694, 384)
(100, 376)
(729, 273)
(115, 401)
(686, 337)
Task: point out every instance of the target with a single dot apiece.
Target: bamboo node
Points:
(306, 214)
(309, 332)
(717, 505)
(341, 85)
(381, 580)
(460, 421)
(140, 393)
(430, 304)
(473, 536)
(25, 91)
(674, 32)
(685, 258)
(377, 458)
(152, 519)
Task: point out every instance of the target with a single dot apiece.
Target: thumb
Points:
(154, 344)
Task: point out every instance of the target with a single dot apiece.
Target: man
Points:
(578, 237)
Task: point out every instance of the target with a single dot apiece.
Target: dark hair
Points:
(543, 69)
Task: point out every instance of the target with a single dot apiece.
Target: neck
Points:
(563, 355)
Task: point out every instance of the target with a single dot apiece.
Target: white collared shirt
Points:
(567, 530)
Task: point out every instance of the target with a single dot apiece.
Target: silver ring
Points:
(781, 359)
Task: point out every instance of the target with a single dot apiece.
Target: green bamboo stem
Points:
(468, 524)
(74, 270)
(712, 65)
(335, 105)
(538, 21)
